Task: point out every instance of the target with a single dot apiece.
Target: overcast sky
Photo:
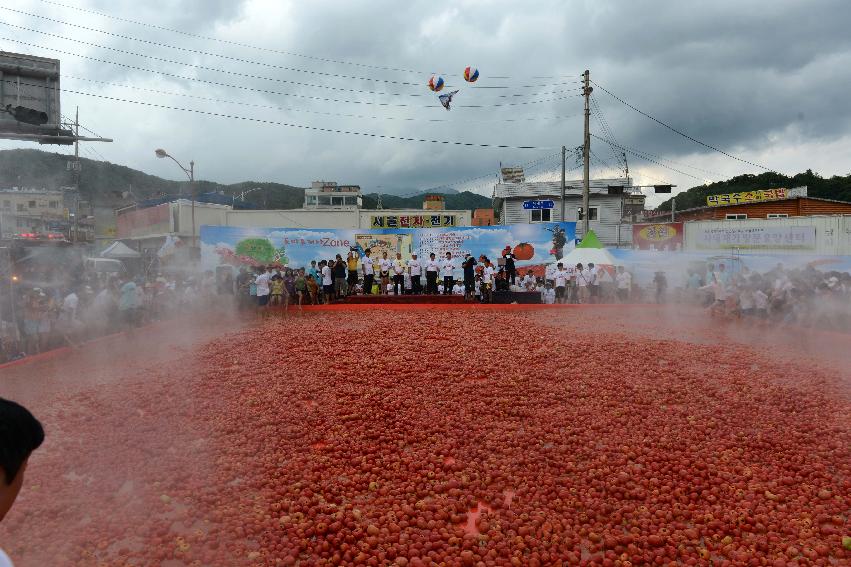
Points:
(766, 81)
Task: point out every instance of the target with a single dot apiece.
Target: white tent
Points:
(119, 251)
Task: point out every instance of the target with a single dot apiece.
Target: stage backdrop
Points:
(534, 245)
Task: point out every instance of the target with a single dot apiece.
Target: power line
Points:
(268, 91)
(683, 134)
(320, 113)
(258, 48)
(293, 125)
(250, 61)
(252, 76)
(644, 157)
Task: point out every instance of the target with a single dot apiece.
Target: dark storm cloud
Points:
(743, 76)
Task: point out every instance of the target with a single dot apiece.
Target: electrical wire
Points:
(336, 114)
(252, 76)
(250, 61)
(683, 134)
(301, 126)
(258, 48)
(644, 157)
(268, 91)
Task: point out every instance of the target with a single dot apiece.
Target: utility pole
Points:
(192, 189)
(76, 172)
(563, 158)
(586, 151)
(673, 207)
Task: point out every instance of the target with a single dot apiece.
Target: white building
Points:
(607, 198)
(329, 195)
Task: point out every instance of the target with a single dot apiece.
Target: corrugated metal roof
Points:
(553, 188)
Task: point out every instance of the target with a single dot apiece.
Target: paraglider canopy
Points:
(446, 99)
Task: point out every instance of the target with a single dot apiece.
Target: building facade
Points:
(329, 195)
(607, 199)
(484, 217)
(42, 212)
(769, 209)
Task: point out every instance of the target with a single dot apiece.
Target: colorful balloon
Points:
(435, 83)
(471, 74)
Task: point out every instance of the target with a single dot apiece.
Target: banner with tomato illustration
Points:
(658, 236)
(533, 245)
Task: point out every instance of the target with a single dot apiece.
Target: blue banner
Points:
(533, 245)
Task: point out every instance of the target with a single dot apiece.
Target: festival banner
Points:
(658, 236)
(533, 245)
(757, 237)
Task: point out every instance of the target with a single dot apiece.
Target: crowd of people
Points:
(64, 311)
(326, 281)
(807, 297)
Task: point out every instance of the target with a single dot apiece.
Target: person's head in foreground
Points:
(20, 435)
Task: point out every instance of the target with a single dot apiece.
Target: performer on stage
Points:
(447, 268)
(398, 267)
(432, 268)
(368, 271)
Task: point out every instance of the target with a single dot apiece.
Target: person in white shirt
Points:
(458, 289)
(432, 269)
(760, 303)
(447, 269)
(624, 283)
(327, 282)
(548, 295)
(528, 281)
(262, 283)
(570, 292)
(487, 281)
(20, 435)
(583, 280)
(415, 270)
(384, 265)
(477, 288)
(368, 271)
(69, 306)
(560, 277)
(594, 287)
(398, 267)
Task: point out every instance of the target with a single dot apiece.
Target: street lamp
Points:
(161, 153)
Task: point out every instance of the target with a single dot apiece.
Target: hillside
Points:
(103, 182)
(836, 187)
(109, 185)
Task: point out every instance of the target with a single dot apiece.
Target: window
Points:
(53, 204)
(541, 215)
(20, 207)
(736, 216)
(593, 214)
(777, 216)
(7, 204)
(22, 223)
(32, 204)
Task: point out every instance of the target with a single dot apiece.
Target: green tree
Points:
(258, 248)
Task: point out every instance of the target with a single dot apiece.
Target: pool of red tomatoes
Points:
(455, 437)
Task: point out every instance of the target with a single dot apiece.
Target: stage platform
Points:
(404, 300)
